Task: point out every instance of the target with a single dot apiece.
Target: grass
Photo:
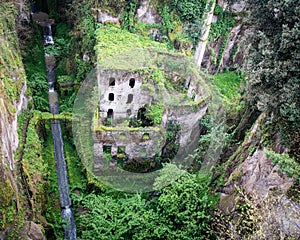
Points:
(119, 49)
(53, 212)
(75, 167)
(228, 83)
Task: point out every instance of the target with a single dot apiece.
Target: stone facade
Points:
(122, 94)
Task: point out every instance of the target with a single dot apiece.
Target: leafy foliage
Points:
(35, 69)
(187, 10)
(154, 112)
(128, 16)
(224, 24)
(181, 211)
(286, 164)
(272, 64)
(114, 42)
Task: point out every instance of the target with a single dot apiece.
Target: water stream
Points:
(61, 168)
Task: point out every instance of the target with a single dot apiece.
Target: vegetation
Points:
(114, 42)
(226, 20)
(154, 112)
(271, 60)
(34, 63)
(287, 164)
(181, 210)
(185, 209)
(228, 85)
(12, 79)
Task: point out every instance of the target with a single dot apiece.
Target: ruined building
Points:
(137, 107)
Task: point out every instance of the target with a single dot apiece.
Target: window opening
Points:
(112, 81)
(110, 113)
(146, 136)
(130, 98)
(111, 97)
(131, 82)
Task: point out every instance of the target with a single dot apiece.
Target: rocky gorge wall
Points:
(268, 193)
(15, 217)
(225, 48)
(12, 94)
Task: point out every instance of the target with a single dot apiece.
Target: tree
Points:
(180, 211)
(272, 64)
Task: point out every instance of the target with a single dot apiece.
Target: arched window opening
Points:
(112, 81)
(107, 149)
(141, 116)
(130, 98)
(143, 153)
(121, 149)
(110, 113)
(131, 82)
(111, 97)
(146, 136)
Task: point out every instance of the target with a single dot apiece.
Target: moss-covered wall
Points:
(22, 171)
(12, 81)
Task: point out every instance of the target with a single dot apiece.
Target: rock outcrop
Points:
(13, 100)
(261, 185)
(227, 50)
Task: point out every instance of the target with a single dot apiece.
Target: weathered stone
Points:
(232, 41)
(123, 94)
(238, 6)
(265, 188)
(215, 19)
(32, 231)
(103, 17)
(222, 3)
(147, 14)
(260, 176)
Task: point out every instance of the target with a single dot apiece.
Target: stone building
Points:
(125, 96)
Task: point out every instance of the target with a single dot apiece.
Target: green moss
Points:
(11, 71)
(286, 164)
(126, 128)
(34, 63)
(154, 112)
(120, 49)
(228, 83)
(8, 211)
(52, 206)
(75, 168)
(34, 166)
(226, 21)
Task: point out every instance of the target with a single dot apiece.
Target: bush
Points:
(181, 211)
(286, 164)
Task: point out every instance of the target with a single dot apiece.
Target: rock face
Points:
(32, 231)
(266, 188)
(103, 17)
(261, 177)
(227, 51)
(238, 6)
(12, 101)
(147, 14)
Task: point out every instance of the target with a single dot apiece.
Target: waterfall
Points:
(47, 35)
(61, 168)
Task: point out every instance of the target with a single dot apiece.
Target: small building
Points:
(124, 129)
